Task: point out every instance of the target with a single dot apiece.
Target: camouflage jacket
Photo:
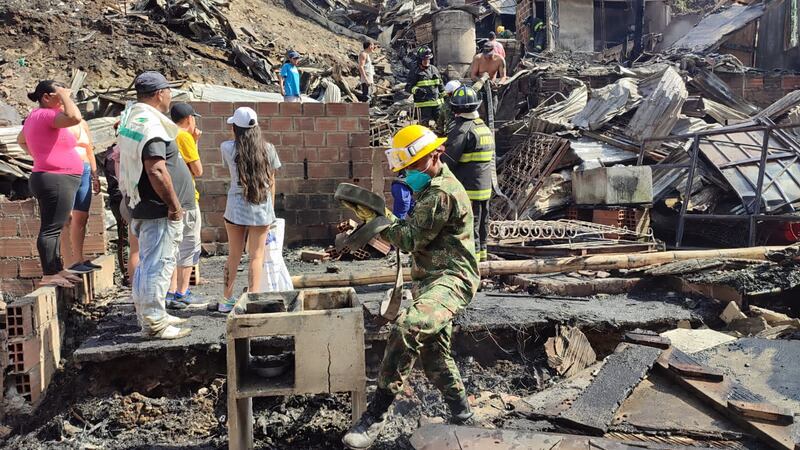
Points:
(438, 234)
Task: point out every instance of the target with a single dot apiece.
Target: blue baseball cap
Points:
(293, 54)
(150, 82)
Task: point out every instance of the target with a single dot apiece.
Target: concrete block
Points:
(619, 185)
(731, 313)
(102, 280)
(311, 256)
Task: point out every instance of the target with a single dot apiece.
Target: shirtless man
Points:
(488, 62)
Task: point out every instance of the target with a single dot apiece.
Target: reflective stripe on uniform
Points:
(476, 157)
(429, 103)
(480, 194)
(424, 83)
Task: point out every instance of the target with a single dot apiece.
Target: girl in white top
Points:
(249, 211)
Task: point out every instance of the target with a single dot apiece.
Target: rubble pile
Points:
(576, 129)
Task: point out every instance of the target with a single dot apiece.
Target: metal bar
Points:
(688, 194)
(640, 159)
(669, 166)
(756, 209)
(719, 131)
(738, 217)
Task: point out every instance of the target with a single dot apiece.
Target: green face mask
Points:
(417, 180)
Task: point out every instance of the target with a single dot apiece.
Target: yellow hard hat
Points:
(410, 144)
(500, 29)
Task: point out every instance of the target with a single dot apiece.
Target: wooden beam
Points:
(542, 265)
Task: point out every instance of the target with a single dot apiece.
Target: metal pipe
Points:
(689, 183)
(756, 209)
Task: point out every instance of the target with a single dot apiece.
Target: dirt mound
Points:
(42, 39)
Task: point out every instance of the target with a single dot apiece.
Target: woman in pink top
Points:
(57, 171)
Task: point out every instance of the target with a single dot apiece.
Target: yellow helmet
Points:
(500, 29)
(410, 144)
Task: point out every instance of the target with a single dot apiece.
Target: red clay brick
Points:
(9, 268)
(222, 235)
(291, 109)
(313, 139)
(208, 234)
(336, 109)
(327, 123)
(362, 170)
(318, 170)
(358, 109)
(267, 109)
(214, 219)
(211, 124)
(329, 154)
(265, 123)
(29, 227)
(304, 123)
(273, 137)
(348, 124)
(17, 247)
(281, 124)
(212, 187)
(313, 109)
(18, 208)
(337, 139)
(292, 170)
(359, 139)
(307, 153)
(292, 139)
(202, 108)
(16, 286)
(221, 109)
(8, 227)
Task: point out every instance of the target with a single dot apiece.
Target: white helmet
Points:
(451, 86)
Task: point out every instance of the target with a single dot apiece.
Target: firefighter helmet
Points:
(464, 100)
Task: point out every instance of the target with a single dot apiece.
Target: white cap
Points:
(243, 117)
(451, 86)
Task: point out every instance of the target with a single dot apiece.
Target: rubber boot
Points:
(459, 410)
(364, 433)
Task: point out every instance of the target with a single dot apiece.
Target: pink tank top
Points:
(52, 149)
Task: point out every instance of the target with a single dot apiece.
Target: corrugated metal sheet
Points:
(714, 28)
(608, 102)
(658, 113)
(737, 156)
(508, 7)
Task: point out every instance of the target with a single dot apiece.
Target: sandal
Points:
(56, 281)
(69, 276)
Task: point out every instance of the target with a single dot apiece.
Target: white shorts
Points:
(189, 248)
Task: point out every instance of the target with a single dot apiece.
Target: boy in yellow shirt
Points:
(179, 296)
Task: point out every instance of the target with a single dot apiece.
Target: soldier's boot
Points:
(459, 410)
(364, 433)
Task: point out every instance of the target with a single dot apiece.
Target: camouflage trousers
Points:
(423, 330)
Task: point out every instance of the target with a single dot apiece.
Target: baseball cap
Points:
(181, 110)
(150, 82)
(293, 54)
(243, 117)
(488, 47)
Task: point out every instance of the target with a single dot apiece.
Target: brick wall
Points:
(761, 89)
(523, 12)
(319, 145)
(19, 227)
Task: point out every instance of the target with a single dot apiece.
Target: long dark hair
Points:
(252, 158)
(42, 88)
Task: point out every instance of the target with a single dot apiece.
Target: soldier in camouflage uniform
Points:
(438, 234)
